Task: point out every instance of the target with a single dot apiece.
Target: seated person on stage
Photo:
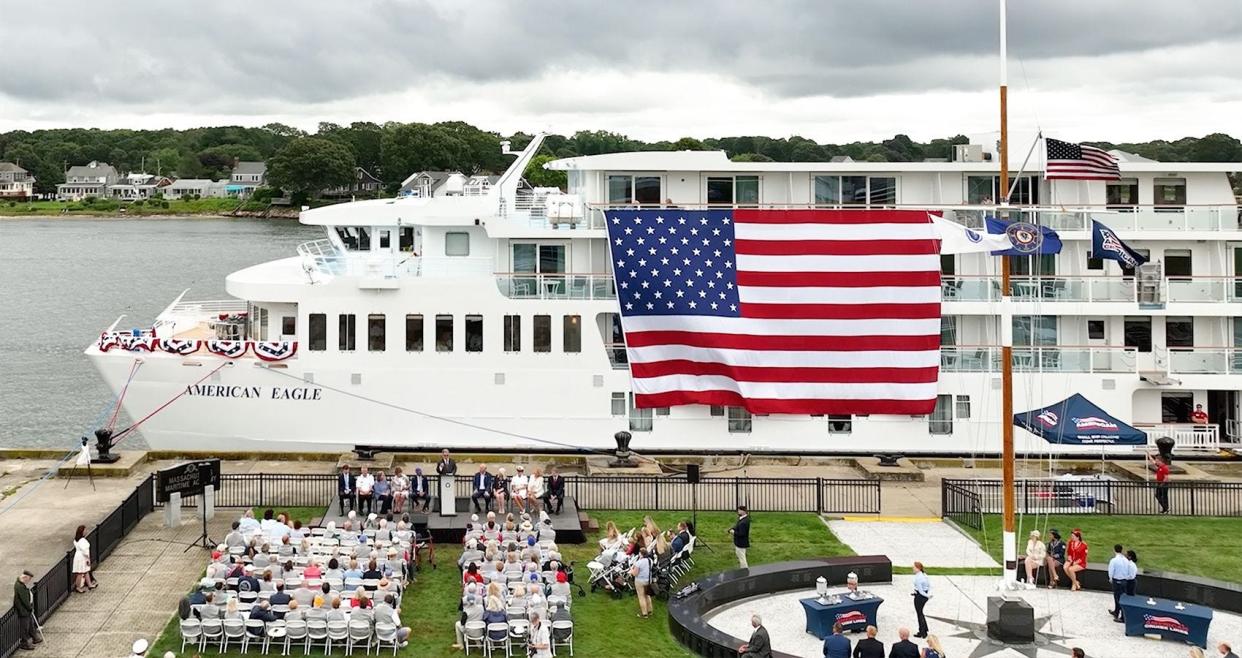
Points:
(554, 492)
(500, 489)
(519, 488)
(420, 490)
(481, 488)
(400, 490)
(535, 490)
(382, 493)
(759, 646)
(366, 488)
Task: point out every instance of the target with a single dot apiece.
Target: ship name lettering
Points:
(219, 391)
(296, 393)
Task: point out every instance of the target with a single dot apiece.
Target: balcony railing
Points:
(321, 256)
(1226, 289)
(520, 285)
(1061, 358)
(1187, 437)
(1205, 360)
(986, 288)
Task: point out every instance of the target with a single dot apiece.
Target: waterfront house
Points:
(189, 187)
(135, 186)
(434, 184)
(89, 180)
(479, 185)
(15, 182)
(246, 178)
(364, 185)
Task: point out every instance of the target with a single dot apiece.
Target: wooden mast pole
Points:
(1009, 536)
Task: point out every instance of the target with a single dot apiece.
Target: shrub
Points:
(163, 204)
(12, 204)
(90, 200)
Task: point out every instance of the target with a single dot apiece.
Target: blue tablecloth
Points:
(1164, 619)
(852, 615)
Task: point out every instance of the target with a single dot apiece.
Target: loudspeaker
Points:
(692, 473)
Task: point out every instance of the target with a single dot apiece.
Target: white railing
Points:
(1186, 436)
(322, 257)
(987, 288)
(213, 307)
(1210, 289)
(1062, 358)
(521, 285)
(1204, 360)
(533, 210)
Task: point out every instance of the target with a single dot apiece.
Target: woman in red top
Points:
(472, 575)
(1075, 558)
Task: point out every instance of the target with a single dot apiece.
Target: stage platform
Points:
(452, 529)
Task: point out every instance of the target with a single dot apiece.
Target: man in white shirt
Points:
(365, 485)
(519, 487)
(247, 525)
(540, 638)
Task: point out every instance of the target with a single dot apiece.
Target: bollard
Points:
(172, 511)
(208, 501)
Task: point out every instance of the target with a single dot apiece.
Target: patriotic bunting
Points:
(270, 351)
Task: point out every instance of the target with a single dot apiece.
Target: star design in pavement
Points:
(1044, 640)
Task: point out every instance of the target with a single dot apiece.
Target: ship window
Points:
(647, 189)
(840, 423)
(1177, 262)
(1095, 330)
(733, 190)
(979, 191)
(941, 419)
(882, 191)
(346, 329)
(720, 191)
(406, 241)
(739, 420)
(1034, 330)
(444, 333)
(1037, 265)
(571, 341)
(414, 333)
(1096, 264)
(841, 190)
(1121, 194)
(618, 404)
(1169, 193)
(474, 333)
(317, 332)
(355, 238)
(289, 325)
(364, 238)
(543, 333)
(377, 333)
(962, 411)
(641, 420)
(986, 190)
(663, 411)
(1179, 332)
(948, 330)
(620, 189)
(624, 189)
(1138, 333)
(513, 333)
(716, 411)
(385, 239)
(456, 243)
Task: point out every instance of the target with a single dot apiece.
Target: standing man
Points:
(1199, 416)
(345, 486)
(482, 488)
(1162, 482)
(1118, 571)
(836, 645)
(922, 592)
(741, 536)
(23, 604)
(760, 645)
(446, 468)
(446, 465)
(869, 647)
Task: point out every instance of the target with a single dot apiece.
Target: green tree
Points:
(414, 147)
(537, 176)
(689, 144)
(750, 157)
(1217, 147)
(309, 165)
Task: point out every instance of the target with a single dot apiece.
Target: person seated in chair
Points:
(263, 612)
(554, 491)
(482, 489)
(471, 610)
(280, 596)
(420, 490)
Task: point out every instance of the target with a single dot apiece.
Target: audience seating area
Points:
(272, 587)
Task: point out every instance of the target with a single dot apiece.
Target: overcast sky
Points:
(831, 70)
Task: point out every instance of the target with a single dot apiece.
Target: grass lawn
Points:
(604, 626)
(1189, 545)
(109, 207)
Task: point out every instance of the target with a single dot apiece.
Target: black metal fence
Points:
(965, 501)
(53, 587)
(853, 496)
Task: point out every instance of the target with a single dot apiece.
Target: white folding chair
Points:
(474, 633)
(213, 633)
(250, 626)
(567, 640)
(296, 631)
(191, 633)
(317, 633)
(338, 633)
(491, 642)
(359, 635)
(386, 636)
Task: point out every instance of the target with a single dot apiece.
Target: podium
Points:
(448, 497)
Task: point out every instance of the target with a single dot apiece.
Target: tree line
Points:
(307, 162)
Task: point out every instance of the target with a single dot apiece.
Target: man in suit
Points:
(23, 603)
(345, 489)
(741, 535)
(420, 490)
(836, 645)
(682, 538)
(446, 465)
(904, 648)
(759, 646)
(263, 612)
(482, 488)
(869, 647)
(280, 596)
(554, 490)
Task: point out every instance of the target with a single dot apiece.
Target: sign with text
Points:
(187, 479)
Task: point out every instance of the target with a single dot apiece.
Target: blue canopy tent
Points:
(1077, 421)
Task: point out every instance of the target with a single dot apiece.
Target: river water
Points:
(62, 281)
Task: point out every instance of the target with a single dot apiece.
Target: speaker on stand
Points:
(693, 475)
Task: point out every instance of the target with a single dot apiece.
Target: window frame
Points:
(383, 333)
(740, 421)
(444, 347)
(571, 326)
(448, 234)
(412, 320)
(317, 337)
(347, 332)
(476, 320)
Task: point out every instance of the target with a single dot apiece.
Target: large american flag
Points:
(1078, 162)
(780, 311)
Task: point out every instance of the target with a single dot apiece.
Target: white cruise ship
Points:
(489, 321)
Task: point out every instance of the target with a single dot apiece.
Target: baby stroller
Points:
(609, 572)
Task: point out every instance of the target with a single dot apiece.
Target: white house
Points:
(15, 182)
(187, 187)
(434, 184)
(479, 185)
(246, 178)
(89, 180)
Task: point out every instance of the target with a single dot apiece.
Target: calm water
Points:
(62, 281)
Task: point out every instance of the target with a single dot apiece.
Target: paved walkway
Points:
(904, 541)
(140, 584)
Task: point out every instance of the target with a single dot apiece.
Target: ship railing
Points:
(1203, 289)
(1187, 437)
(987, 288)
(524, 285)
(1180, 218)
(552, 211)
(1059, 358)
(321, 256)
(1204, 360)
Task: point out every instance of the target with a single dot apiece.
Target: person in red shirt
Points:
(1075, 558)
(1199, 416)
(1162, 482)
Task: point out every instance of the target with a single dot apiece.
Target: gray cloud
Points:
(230, 56)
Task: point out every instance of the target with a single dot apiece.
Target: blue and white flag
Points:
(1106, 244)
(958, 239)
(1028, 239)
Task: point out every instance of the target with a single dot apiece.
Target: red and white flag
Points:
(1068, 161)
(780, 311)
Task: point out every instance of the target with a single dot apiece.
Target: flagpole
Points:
(1009, 534)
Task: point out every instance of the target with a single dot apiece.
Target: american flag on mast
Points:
(780, 311)
(1068, 161)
